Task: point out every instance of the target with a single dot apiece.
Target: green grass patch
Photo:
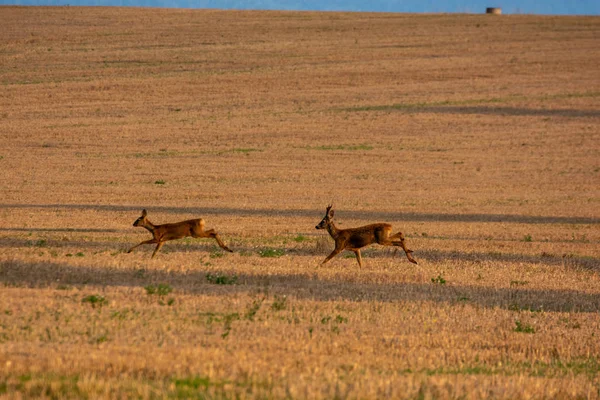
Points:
(252, 309)
(466, 370)
(95, 300)
(244, 150)
(279, 303)
(195, 383)
(300, 238)
(216, 254)
(271, 253)
(523, 328)
(341, 147)
(54, 386)
(557, 368)
(334, 322)
(161, 290)
(518, 283)
(163, 153)
(219, 279)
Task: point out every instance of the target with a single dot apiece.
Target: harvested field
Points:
(477, 136)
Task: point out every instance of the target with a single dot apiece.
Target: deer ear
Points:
(144, 212)
(331, 213)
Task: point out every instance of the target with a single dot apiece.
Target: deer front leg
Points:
(158, 246)
(151, 241)
(335, 252)
(358, 257)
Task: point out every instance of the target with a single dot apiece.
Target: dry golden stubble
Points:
(483, 154)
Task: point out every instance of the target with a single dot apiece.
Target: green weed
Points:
(216, 253)
(273, 253)
(525, 328)
(101, 339)
(219, 279)
(94, 300)
(340, 319)
(245, 151)
(334, 323)
(161, 290)
(518, 283)
(253, 308)
(280, 303)
(196, 382)
(227, 320)
(341, 147)
(300, 238)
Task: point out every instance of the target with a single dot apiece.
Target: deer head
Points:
(141, 221)
(327, 219)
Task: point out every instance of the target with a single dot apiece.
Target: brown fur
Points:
(178, 230)
(354, 239)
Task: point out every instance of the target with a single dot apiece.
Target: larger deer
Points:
(178, 230)
(354, 239)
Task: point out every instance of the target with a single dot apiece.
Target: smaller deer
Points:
(178, 230)
(354, 239)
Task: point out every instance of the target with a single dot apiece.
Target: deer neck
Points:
(150, 226)
(333, 230)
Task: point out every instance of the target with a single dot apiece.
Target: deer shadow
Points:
(206, 247)
(317, 214)
(303, 285)
(76, 230)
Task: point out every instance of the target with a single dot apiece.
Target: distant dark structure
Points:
(493, 10)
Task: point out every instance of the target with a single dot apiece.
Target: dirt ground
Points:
(477, 136)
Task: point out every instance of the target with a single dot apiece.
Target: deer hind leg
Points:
(158, 246)
(397, 239)
(151, 241)
(211, 233)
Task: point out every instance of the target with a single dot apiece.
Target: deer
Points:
(354, 239)
(178, 230)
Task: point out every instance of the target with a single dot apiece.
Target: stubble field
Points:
(477, 136)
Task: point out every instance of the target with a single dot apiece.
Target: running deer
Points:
(354, 239)
(178, 230)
